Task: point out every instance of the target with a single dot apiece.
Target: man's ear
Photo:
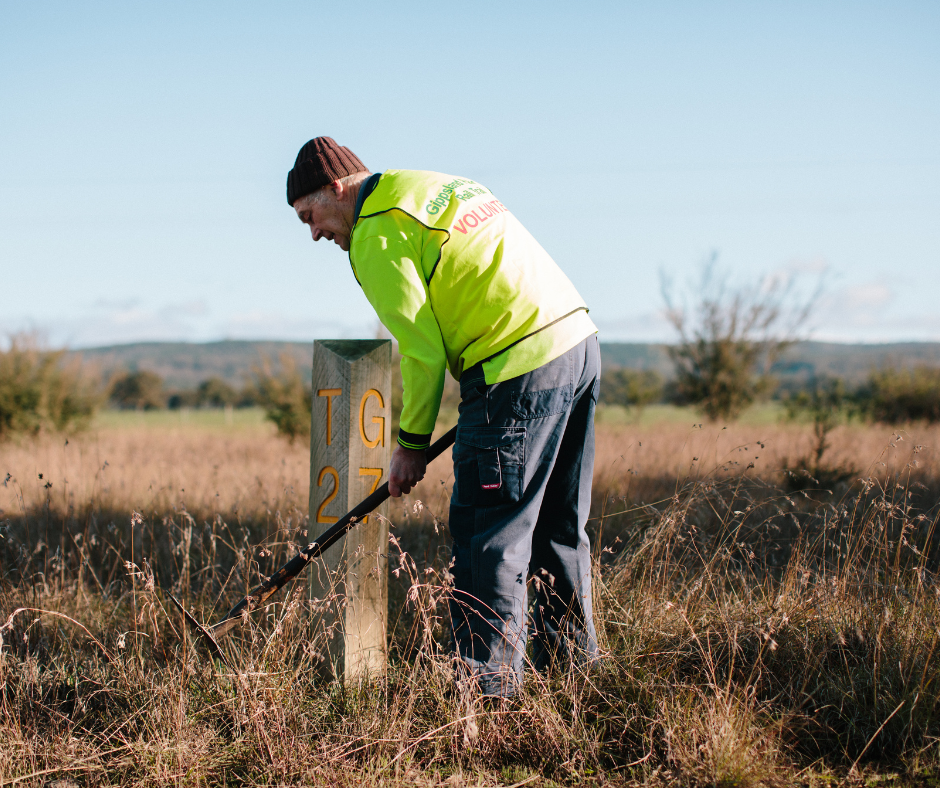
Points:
(338, 189)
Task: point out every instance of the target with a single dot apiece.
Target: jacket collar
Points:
(364, 191)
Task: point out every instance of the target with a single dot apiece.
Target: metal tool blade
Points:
(203, 635)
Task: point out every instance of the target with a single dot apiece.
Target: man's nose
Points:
(316, 233)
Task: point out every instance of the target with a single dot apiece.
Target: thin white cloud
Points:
(119, 322)
(854, 310)
(871, 295)
(109, 304)
(197, 308)
(260, 324)
(642, 327)
(873, 311)
(816, 266)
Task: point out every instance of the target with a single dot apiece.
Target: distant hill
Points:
(852, 363)
(184, 365)
(803, 361)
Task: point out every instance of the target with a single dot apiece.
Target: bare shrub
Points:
(729, 337)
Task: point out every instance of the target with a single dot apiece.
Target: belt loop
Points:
(472, 377)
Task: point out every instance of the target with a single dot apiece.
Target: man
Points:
(463, 286)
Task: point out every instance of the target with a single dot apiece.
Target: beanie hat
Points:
(320, 161)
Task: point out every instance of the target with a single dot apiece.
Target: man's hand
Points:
(406, 471)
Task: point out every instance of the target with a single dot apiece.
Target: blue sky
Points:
(145, 149)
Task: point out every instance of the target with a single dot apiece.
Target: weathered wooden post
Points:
(350, 447)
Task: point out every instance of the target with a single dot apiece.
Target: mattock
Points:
(209, 636)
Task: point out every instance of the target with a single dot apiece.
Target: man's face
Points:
(325, 215)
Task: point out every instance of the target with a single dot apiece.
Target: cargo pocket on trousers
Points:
(489, 465)
(539, 404)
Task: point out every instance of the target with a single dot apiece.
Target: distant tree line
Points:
(145, 390)
(721, 367)
(890, 395)
(281, 390)
(42, 391)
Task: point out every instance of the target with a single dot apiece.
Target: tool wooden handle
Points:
(296, 565)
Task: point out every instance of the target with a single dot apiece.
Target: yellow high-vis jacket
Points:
(457, 280)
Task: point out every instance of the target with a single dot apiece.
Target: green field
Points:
(186, 418)
(254, 418)
(758, 415)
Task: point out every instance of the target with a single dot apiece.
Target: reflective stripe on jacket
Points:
(458, 280)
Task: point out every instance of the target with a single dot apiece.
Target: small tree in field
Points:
(730, 337)
(142, 390)
(631, 388)
(215, 393)
(40, 391)
(828, 404)
(286, 398)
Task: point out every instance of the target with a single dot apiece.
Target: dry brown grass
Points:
(250, 469)
(753, 635)
(678, 452)
(143, 468)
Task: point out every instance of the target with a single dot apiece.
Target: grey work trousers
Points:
(523, 466)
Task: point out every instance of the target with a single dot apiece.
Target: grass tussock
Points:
(752, 634)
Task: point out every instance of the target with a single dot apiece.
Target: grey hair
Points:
(321, 195)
